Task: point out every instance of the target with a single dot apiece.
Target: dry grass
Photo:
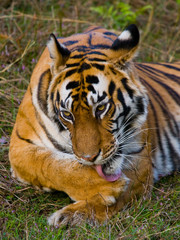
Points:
(25, 27)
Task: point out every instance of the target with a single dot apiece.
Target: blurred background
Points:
(25, 26)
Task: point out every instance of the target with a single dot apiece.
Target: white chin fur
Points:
(114, 166)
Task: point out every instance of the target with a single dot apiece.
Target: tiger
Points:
(97, 125)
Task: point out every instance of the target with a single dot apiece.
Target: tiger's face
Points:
(102, 105)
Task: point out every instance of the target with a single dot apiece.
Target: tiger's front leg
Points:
(97, 209)
(42, 168)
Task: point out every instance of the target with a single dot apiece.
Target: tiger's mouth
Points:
(111, 170)
(111, 167)
(107, 176)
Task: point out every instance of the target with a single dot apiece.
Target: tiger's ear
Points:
(125, 46)
(58, 53)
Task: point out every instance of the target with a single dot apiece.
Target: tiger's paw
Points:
(65, 217)
(78, 212)
(95, 209)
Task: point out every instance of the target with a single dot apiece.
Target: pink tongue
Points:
(109, 178)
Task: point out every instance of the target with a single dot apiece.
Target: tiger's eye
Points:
(100, 109)
(66, 115)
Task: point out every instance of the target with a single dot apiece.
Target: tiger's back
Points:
(162, 82)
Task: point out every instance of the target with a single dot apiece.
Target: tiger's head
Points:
(96, 96)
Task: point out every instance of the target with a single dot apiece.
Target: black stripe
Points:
(57, 121)
(69, 43)
(128, 89)
(174, 157)
(121, 98)
(171, 66)
(109, 38)
(84, 94)
(68, 95)
(97, 59)
(157, 129)
(98, 66)
(81, 48)
(83, 67)
(56, 107)
(52, 96)
(30, 89)
(61, 128)
(101, 46)
(109, 34)
(51, 139)
(72, 65)
(175, 96)
(101, 98)
(91, 88)
(58, 97)
(42, 93)
(112, 104)
(113, 130)
(96, 52)
(72, 85)
(90, 39)
(111, 88)
(140, 105)
(169, 117)
(92, 79)
(62, 104)
(24, 139)
(154, 71)
(122, 114)
(76, 97)
(113, 70)
(70, 72)
(78, 56)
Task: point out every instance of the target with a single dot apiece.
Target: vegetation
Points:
(25, 27)
(120, 14)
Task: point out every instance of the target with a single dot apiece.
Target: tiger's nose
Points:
(90, 158)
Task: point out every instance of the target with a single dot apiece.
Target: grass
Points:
(25, 27)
